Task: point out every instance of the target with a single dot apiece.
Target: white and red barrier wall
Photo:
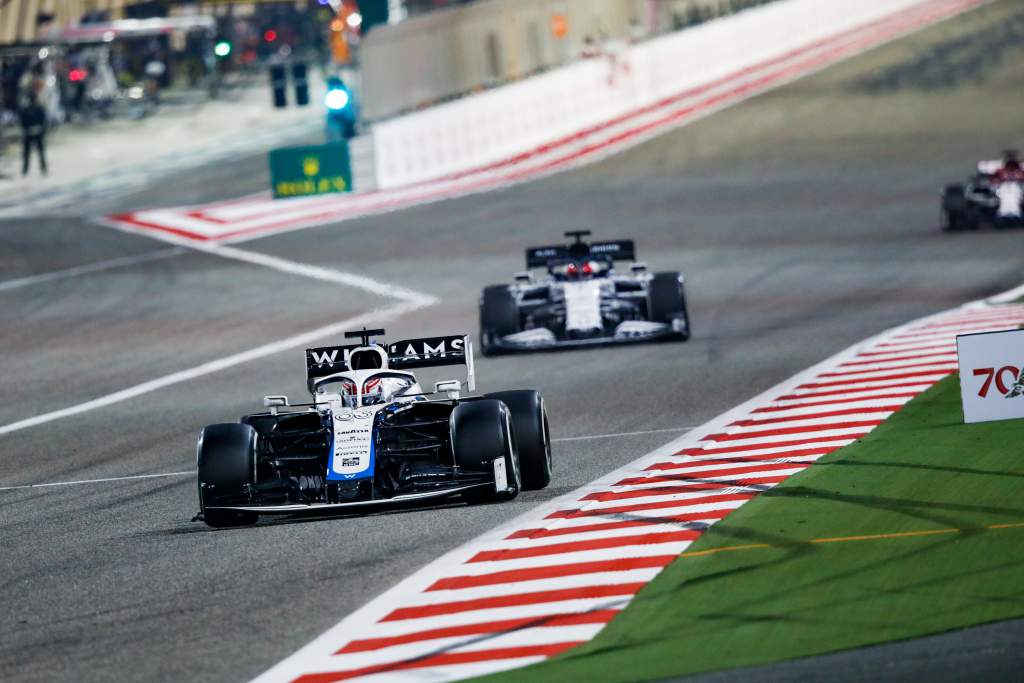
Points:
(507, 121)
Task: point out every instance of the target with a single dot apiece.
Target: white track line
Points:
(98, 481)
(409, 301)
(1008, 297)
(370, 318)
(621, 434)
(87, 269)
(319, 273)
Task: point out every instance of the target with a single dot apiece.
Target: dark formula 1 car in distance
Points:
(372, 437)
(582, 300)
(994, 196)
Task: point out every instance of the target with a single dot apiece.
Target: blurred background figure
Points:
(156, 69)
(33, 133)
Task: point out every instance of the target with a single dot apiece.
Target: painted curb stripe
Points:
(556, 571)
(437, 609)
(594, 617)
(442, 660)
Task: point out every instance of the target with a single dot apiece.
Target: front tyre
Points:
(482, 432)
(226, 462)
(532, 437)
(666, 301)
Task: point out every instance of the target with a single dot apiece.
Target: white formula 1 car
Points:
(582, 301)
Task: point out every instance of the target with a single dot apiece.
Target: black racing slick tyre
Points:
(499, 316)
(955, 212)
(481, 433)
(532, 437)
(666, 300)
(226, 460)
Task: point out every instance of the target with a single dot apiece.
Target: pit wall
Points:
(500, 124)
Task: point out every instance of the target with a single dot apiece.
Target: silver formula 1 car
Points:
(372, 437)
(582, 300)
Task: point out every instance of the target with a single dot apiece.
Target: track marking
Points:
(370, 318)
(90, 268)
(97, 481)
(620, 434)
(320, 273)
(851, 539)
(1008, 297)
(409, 301)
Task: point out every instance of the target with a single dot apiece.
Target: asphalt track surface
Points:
(805, 220)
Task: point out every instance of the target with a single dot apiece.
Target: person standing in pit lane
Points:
(33, 134)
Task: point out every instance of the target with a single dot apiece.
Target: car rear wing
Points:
(539, 257)
(618, 250)
(427, 352)
(327, 360)
(407, 354)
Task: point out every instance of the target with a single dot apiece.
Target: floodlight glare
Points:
(337, 99)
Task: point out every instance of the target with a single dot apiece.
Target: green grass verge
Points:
(921, 471)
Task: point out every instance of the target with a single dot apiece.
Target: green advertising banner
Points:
(316, 169)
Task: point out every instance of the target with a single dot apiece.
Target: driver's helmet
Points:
(1011, 160)
(348, 393)
(373, 391)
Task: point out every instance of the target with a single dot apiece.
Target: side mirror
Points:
(274, 402)
(523, 276)
(638, 267)
(452, 387)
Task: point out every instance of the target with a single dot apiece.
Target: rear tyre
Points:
(226, 460)
(499, 316)
(666, 300)
(532, 437)
(955, 213)
(482, 432)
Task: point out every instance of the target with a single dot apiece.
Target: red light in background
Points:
(570, 269)
(77, 75)
(270, 35)
(588, 269)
